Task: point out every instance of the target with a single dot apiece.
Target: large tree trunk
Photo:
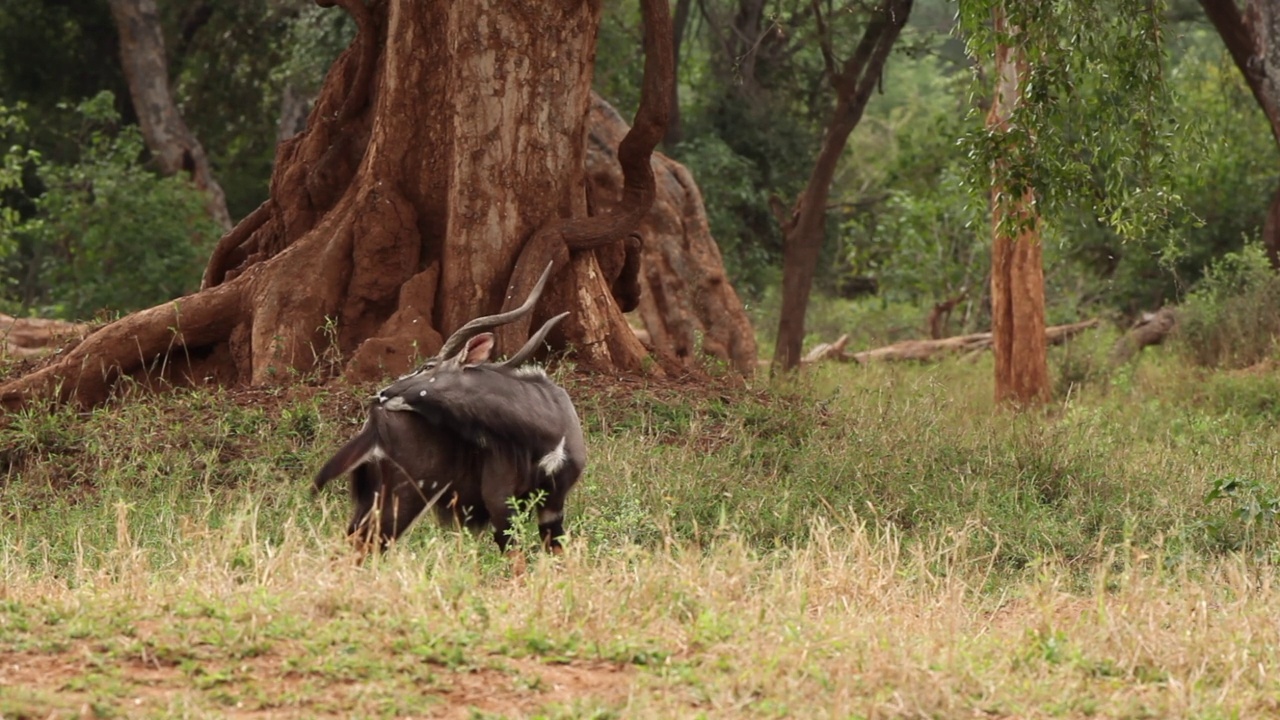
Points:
(146, 70)
(1253, 39)
(447, 142)
(803, 230)
(684, 294)
(1017, 270)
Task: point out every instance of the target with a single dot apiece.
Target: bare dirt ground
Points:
(53, 685)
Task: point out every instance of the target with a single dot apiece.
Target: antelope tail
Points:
(350, 456)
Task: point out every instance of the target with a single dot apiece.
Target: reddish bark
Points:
(447, 142)
(1017, 269)
(600, 334)
(803, 230)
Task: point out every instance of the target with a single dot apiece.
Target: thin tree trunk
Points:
(294, 106)
(1253, 39)
(146, 68)
(678, 23)
(1017, 270)
(803, 231)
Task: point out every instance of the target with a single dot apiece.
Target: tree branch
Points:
(175, 148)
(824, 43)
(1234, 30)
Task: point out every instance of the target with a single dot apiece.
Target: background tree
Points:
(1047, 156)
(1253, 39)
(1017, 269)
(101, 234)
(175, 148)
(803, 228)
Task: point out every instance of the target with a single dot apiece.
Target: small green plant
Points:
(1254, 503)
(1232, 318)
(302, 422)
(36, 434)
(524, 514)
(1253, 510)
(1077, 364)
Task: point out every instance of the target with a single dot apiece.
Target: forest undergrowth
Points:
(864, 542)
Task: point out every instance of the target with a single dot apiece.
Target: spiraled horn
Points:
(480, 324)
(534, 342)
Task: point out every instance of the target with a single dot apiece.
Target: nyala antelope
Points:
(465, 435)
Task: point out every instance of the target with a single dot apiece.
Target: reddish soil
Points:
(47, 685)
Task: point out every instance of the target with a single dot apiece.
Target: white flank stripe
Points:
(554, 460)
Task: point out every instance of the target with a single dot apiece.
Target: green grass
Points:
(873, 541)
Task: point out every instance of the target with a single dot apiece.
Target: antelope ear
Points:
(477, 350)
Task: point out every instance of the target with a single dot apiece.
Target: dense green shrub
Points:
(104, 232)
(1233, 317)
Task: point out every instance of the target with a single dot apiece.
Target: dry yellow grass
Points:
(849, 625)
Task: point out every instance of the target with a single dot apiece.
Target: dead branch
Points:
(922, 350)
(1150, 329)
(32, 337)
(87, 373)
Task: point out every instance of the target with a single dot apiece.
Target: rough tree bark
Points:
(1017, 270)
(441, 168)
(600, 335)
(147, 71)
(803, 229)
(685, 298)
(1253, 39)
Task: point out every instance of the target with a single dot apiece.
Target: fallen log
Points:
(929, 349)
(29, 337)
(1150, 329)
